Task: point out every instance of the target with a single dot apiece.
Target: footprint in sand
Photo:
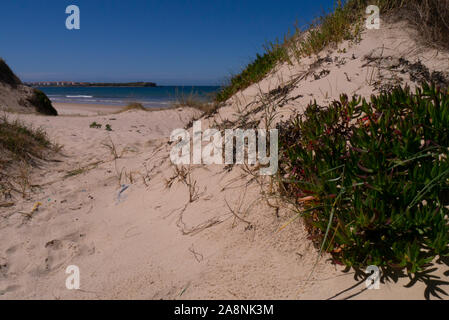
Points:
(61, 251)
(58, 253)
(12, 249)
(54, 244)
(9, 289)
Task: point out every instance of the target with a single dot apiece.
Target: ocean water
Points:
(156, 97)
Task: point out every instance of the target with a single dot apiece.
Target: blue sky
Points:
(169, 42)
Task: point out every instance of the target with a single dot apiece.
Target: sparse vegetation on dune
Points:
(29, 98)
(134, 106)
(191, 100)
(431, 17)
(21, 147)
(22, 142)
(195, 101)
(137, 106)
(254, 72)
(370, 179)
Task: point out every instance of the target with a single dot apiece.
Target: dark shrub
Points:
(42, 103)
(7, 76)
(21, 141)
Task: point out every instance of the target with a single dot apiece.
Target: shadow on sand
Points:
(433, 283)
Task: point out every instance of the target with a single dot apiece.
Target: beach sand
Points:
(85, 109)
(113, 204)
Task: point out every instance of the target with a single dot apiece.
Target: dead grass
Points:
(21, 142)
(184, 175)
(197, 102)
(345, 22)
(82, 170)
(133, 106)
(430, 17)
(110, 145)
(136, 106)
(7, 75)
(191, 100)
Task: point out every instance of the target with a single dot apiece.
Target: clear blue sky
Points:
(169, 42)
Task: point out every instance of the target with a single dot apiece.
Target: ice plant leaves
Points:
(387, 163)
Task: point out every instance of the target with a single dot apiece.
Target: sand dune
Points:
(138, 230)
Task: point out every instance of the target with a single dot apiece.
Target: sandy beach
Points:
(139, 227)
(149, 241)
(85, 109)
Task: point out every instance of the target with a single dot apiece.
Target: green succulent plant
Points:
(371, 178)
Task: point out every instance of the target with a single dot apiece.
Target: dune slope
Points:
(139, 227)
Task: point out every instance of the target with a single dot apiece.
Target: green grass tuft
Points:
(21, 141)
(253, 73)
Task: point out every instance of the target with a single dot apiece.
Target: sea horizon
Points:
(149, 97)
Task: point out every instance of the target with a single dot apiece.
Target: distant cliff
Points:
(90, 84)
(17, 97)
